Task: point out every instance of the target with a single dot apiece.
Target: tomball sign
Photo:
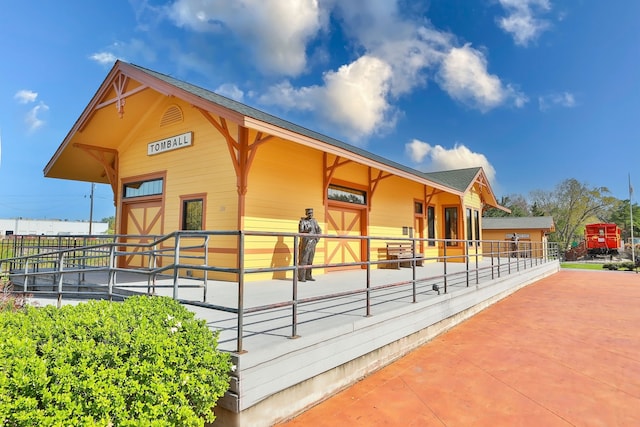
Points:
(168, 144)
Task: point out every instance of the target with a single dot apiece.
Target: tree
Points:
(572, 205)
(536, 211)
(111, 220)
(516, 203)
(620, 215)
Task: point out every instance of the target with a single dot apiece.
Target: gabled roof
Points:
(460, 179)
(453, 181)
(519, 223)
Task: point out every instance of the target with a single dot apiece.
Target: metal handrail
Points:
(62, 262)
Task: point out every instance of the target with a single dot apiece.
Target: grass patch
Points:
(579, 265)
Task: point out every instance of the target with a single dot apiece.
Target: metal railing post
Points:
(151, 278)
(240, 292)
(112, 271)
(466, 260)
(414, 289)
(368, 284)
(530, 255)
(294, 302)
(60, 277)
(492, 267)
(84, 256)
(444, 253)
(176, 262)
(477, 265)
(499, 259)
(206, 264)
(25, 283)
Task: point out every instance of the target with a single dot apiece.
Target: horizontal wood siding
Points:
(351, 172)
(392, 206)
(285, 179)
(205, 167)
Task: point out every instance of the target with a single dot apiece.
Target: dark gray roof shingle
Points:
(517, 223)
(458, 179)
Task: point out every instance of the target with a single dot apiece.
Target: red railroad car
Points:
(602, 238)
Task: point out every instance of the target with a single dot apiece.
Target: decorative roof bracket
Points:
(119, 85)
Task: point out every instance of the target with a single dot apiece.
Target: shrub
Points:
(144, 362)
(627, 265)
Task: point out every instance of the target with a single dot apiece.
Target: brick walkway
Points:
(564, 351)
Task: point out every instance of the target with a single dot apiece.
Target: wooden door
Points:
(344, 221)
(141, 220)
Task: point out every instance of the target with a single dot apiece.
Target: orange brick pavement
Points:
(564, 351)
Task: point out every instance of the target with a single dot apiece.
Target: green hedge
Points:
(144, 362)
(627, 265)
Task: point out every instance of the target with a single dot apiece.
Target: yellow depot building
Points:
(179, 157)
(530, 234)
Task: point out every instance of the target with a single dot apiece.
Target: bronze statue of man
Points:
(307, 225)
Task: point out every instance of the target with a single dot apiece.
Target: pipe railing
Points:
(182, 251)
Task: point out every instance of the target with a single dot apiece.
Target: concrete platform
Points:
(563, 351)
(282, 371)
(339, 344)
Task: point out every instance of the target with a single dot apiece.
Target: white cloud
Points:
(357, 98)
(394, 55)
(522, 20)
(519, 98)
(418, 150)
(437, 158)
(564, 99)
(230, 91)
(276, 31)
(136, 48)
(407, 54)
(412, 57)
(285, 95)
(25, 96)
(33, 119)
(354, 97)
(104, 58)
(464, 76)
(410, 48)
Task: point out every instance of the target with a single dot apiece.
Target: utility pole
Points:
(93, 185)
(633, 246)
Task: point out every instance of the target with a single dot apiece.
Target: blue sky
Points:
(535, 91)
